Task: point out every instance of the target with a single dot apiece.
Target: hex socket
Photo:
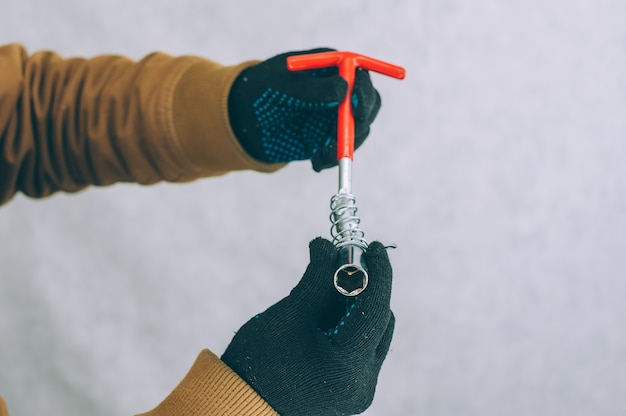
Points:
(351, 277)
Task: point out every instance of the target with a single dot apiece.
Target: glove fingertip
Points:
(359, 138)
(335, 86)
(366, 102)
(317, 278)
(376, 249)
(317, 167)
(321, 248)
(379, 268)
(377, 259)
(325, 158)
(342, 86)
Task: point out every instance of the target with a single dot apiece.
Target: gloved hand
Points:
(280, 115)
(317, 352)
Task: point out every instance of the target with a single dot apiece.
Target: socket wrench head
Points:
(351, 277)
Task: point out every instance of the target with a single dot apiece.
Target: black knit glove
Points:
(280, 115)
(317, 352)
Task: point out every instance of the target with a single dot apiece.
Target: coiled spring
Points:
(345, 229)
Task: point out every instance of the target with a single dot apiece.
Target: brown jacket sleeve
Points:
(212, 388)
(66, 124)
(209, 388)
(3, 408)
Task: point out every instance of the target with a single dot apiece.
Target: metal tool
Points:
(351, 277)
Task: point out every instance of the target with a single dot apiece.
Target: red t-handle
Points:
(347, 62)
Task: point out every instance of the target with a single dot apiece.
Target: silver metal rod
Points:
(345, 175)
(351, 277)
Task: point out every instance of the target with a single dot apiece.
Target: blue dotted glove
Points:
(280, 115)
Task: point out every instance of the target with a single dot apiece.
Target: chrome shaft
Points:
(351, 277)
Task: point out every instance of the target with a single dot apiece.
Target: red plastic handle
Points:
(347, 62)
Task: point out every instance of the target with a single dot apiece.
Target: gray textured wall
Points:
(497, 167)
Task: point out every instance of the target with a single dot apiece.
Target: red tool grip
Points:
(347, 62)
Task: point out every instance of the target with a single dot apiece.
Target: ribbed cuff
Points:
(212, 388)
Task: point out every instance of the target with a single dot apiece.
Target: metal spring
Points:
(345, 229)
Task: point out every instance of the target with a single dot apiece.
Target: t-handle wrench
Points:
(351, 277)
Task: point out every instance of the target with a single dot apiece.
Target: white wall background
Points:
(497, 167)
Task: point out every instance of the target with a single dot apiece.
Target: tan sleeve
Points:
(66, 124)
(209, 388)
(212, 388)
(3, 408)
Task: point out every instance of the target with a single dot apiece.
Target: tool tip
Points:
(350, 280)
